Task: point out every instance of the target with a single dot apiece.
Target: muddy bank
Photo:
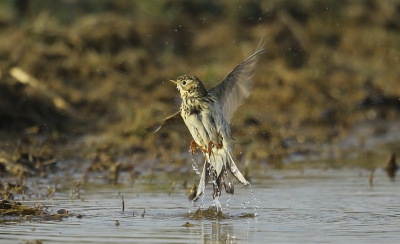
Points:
(87, 80)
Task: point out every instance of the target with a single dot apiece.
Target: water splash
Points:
(202, 200)
(202, 187)
(191, 207)
(227, 203)
(216, 203)
(256, 200)
(244, 204)
(195, 164)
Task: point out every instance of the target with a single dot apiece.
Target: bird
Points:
(207, 114)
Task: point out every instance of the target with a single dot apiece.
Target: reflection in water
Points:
(371, 177)
(220, 232)
(391, 167)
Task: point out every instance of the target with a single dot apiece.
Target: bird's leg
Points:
(219, 146)
(209, 147)
(193, 146)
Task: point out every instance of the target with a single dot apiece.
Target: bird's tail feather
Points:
(226, 180)
(205, 176)
(218, 165)
(235, 171)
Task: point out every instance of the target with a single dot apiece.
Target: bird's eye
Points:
(183, 82)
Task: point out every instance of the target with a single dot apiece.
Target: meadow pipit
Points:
(207, 115)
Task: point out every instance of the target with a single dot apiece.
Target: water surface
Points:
(308, 206)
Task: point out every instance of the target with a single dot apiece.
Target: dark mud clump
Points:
(210, 213)
(15, 211)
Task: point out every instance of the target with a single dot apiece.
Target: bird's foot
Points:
(193, 146)
(210, 145)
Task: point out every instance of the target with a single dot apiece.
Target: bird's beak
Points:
(176, 83)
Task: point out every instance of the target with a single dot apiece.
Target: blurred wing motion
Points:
(236, 87)
(172, 119)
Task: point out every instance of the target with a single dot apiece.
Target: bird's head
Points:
(190, 86)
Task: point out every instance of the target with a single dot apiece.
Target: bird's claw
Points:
(210, 145)
(193, 146)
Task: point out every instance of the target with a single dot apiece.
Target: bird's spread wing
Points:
(172, 119)
(236, 87)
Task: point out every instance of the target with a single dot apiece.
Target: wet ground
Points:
(320, 193)
(309, 206)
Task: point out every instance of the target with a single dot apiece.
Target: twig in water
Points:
(123, 204)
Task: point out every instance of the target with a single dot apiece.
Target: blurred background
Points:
(87, 80)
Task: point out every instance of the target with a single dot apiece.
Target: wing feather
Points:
(236, 87)
(172, 119)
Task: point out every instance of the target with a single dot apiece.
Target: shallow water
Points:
(318, 206)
